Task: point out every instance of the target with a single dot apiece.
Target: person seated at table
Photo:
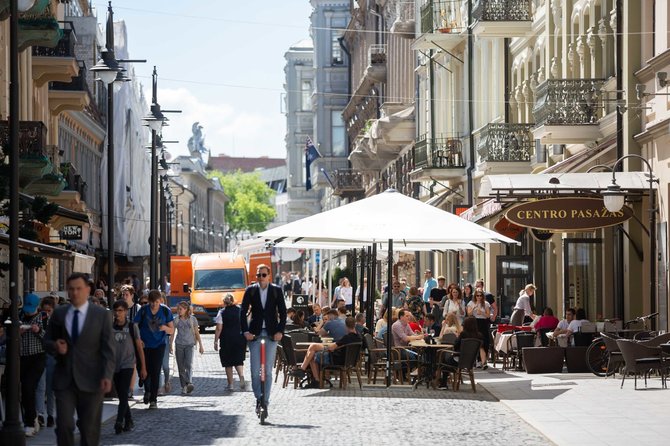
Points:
(470, 331)
(320, 354)
(334, 327)
(414, 324)
(299, 319)
(289, 316)
(382, 326)
(451, 325)
(361, 329)
(547, 321)
(576, 324)
(316, 315)
(431, 325)
(401, 330)
(562, 327)
(342, 312)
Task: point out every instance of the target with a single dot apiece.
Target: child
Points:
(128, 350)
(185, 338)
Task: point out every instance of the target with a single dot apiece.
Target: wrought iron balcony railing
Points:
(74, 181)
(569, 102)
(64, 48)
(347, 180)
(443, 16)
(32, 139)
(501, 142)
(377, 54)
(440, 152)
(502, 10)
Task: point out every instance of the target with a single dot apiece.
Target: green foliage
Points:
(249, 207)
(338, 273)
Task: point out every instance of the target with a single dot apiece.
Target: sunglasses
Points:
(262, 275)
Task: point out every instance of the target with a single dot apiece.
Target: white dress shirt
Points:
(83, 310)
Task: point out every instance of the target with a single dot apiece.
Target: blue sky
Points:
(221, 62)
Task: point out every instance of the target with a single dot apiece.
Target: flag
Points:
(311, 154)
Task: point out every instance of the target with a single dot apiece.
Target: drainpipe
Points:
(506, 78)
(471, 166)
(340, 40)
(618, 237)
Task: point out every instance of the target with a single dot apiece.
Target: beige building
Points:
(506, 99)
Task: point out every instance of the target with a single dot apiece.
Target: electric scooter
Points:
(262, 411)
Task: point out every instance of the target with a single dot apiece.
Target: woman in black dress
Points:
(231, 340)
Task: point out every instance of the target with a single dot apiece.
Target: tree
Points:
(249, 207)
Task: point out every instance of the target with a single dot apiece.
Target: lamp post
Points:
(12, 428)
(614, 199)
(107, 70)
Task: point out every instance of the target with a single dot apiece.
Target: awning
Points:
(69, 216)
(35, 248)
(83, 263)
(513, 187)
(483, 210)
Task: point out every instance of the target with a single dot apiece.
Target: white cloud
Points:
(226, 130)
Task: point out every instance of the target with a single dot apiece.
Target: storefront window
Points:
(583, 276)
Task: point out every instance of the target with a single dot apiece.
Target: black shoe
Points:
(146, 397)
(129, 425)
(313, 385)
(258, 408)
(118, 428)
(298, 373)
(50, 421)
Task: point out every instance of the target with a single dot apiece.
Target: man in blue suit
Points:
(263, 315)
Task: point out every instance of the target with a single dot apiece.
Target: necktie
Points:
(75, 327)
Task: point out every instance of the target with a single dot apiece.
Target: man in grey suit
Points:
(80, 337)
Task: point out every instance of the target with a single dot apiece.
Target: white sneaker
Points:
(184, 391)
(30, 431)
(36, 425)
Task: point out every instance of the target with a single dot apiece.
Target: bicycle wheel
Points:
(597, 358)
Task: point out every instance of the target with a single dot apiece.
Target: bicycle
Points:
(597, 355)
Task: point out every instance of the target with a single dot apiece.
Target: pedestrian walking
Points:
(128, 353)
(80, 336)
(155, 323)
(45, 399)
(229, 340)
(33, 360)
(185, 337)
(265, 304)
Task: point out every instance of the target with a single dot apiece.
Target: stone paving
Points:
(377, 416)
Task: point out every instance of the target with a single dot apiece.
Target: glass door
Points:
(582, 276)
(513, 274)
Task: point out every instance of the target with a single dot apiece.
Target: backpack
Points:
(145, 316)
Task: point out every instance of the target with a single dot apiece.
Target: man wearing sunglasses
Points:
(263, 304)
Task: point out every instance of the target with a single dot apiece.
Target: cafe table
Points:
(427, 357)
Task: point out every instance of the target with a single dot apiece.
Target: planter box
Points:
(543, 359)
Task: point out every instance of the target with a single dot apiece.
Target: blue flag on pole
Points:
(311, 154)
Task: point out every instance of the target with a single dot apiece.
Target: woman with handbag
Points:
(231, 340)
(185, 338)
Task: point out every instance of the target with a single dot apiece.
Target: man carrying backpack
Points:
(155, 323)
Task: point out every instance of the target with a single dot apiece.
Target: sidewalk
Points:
(583, 409)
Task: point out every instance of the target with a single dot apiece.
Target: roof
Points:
(306, 44)
(217, 260)
(231, 163)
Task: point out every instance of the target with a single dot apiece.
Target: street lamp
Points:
(614, 199)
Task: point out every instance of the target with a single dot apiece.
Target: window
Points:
(336, 51)
(219, 279)
(306, 95)
(338, 134)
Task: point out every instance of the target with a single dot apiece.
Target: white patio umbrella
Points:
(389, 217)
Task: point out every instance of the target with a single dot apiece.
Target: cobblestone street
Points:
(213, 415)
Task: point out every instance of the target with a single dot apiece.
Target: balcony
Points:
(38, 26)
(443, 26)
(567, 111)
(34, 160)
(73, 95)
(73, 194)
(405, 22)
(506, 147)
(376, 69)
(502, 18)
(56, 64)
(440, 158)
(348, 183)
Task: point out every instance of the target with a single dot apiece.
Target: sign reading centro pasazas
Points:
(566, 214)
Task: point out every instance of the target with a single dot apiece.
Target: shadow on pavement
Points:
(406, 392)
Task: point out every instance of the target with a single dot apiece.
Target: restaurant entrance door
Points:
(582, 276)
(513, 273)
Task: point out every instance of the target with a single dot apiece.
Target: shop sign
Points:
(71, 232)
(566, 214)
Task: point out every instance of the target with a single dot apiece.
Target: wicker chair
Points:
(615, 358)
(352, 361)
(467, 356)
(641, 359)
(291, 359)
